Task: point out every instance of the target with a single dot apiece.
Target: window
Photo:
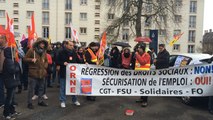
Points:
(30, 1)
(97, 14)
(193, 6)
(83, 2)
(148, 22)
(126, 23)
(162, 32)
(15, 12)
(110, 32)
(29, 14)
(15, 19)
(45, 4)
(163, 18)
(83, 16)
(68, 4)
(83, 30)
(111, 16)
(97, 21)
(178, 18)
(176, 32)
(68, 18)
(97, 7)
(146, 32)
(125, 2)
(45, 31)
(16, 27)
(192, 21)
(97, 29)
(148, 6)
(45, 18)
(97, 37)
(191, 48)
(111, 2)
(125, 34)
(67, 32)
(15, 4)
(178, 3)
(2, 13)
(2, 0)
(191, 37)
(176, 47)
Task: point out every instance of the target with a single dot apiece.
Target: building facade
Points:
(91, 18)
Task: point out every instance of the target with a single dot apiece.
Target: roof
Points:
(208, 37)
(195, 55)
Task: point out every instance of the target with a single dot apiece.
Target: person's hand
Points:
(34, 60)
(86, 63)
(155, 60)
(136, 53)
(65, 63)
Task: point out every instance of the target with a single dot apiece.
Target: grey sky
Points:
(208, 15)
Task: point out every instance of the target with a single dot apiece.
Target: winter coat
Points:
(39, 68)
(11, 70)
(162, 59)
(69, 56)
(115, 58)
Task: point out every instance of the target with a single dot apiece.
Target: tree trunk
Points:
(138, 19)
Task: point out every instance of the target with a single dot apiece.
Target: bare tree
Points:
(157, 12)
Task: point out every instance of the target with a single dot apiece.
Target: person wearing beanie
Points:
(91, 57)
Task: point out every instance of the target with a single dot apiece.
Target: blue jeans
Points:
(62, 96)
(2, 98)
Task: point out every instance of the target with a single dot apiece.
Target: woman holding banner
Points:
(141, 61)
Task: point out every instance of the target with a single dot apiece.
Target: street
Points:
(111, 108)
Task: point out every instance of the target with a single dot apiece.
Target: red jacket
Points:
(49, 59)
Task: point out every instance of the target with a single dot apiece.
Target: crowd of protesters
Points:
(44, 64)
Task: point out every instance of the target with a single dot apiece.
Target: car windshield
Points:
(179, 60)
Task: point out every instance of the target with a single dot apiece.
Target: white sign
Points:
(94, 80)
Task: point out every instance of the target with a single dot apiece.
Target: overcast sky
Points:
(208, 15)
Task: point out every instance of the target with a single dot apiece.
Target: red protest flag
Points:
(101, 51)
(10, 32)
(31, 32)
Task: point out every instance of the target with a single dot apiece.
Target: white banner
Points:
(94, 80)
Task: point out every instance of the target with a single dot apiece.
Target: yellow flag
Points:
(175, 39)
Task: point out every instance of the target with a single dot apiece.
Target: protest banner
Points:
(94, 80)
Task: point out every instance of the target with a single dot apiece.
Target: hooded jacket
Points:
(11, 70)
(37, 69)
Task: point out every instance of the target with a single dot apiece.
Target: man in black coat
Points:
(67, 55)
(162, 60)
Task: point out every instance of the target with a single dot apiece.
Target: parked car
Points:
(183, 59)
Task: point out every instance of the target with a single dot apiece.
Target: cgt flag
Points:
(10, 32)
(74, 33)
(175, 39)
(31, 32)
(103, 46)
